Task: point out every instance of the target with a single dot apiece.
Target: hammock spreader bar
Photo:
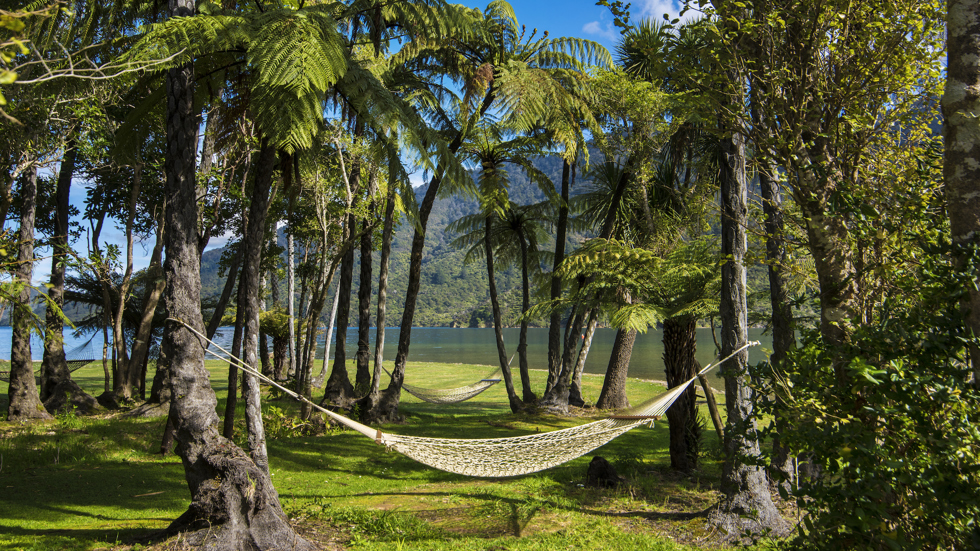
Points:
(500, 457)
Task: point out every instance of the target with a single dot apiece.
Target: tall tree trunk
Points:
(527, 395)
(219, 309)
(680, 339)
(122, 388)
(233, 504)
(387, 406)
(248, 302)
(331, 327)
(291, 296)
(556, 397)
(339, 390)
(58, 391)
(151, 297)
(24, 402)
(264, 339)
(783, 334)
(370, 402)
(747, 503)
(554, 322)
(515, 402)
(363, 376)
(961, 166)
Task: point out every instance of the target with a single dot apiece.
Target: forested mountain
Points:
(454, 292)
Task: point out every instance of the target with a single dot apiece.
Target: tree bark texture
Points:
(339, 390)
(58, 392)
(527, 394)
(248, 303)
(961, 166)
(575, 397)
(747, 503)
(613, 394)
(370, 402)
(498, 330)
(680, 339)
(24, 401)
(554, 322)
(362, 383)
(783, 334)
(291, 297)
(233, 504)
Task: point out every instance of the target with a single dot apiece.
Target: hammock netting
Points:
(451, 395)
(513, 456)
(519, 455)
(76, 359)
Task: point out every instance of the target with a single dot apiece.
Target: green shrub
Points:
(890, 420)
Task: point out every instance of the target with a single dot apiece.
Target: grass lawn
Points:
(99, 483)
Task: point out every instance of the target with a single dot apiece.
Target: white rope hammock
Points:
(504, 457)
(451, 395)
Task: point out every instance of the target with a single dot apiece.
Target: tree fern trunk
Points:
(339, 390)
(554, 322)
(363, 377)
(515, 402)
(613, 395)
(680, 340)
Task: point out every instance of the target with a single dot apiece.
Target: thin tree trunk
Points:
(264, 341)
(231, 400)
(58, 391)
(370, 401)
(339, 391)
(154, 290)
(527, 394)
(122, 390)
(24, 402)
(515, 402)
(290, 297)
(575, 392)
(554, 322)
(219, 309)
(331, 321)
(961, 170)
(363, 376)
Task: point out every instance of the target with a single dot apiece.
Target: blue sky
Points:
(574, 18)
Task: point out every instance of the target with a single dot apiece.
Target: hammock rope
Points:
(76, 358)
(501, 457)
(451, 395)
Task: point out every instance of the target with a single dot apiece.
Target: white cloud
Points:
(596, 28)
(657, 8)
(417, 179)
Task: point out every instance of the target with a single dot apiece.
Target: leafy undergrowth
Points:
(99, 482)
